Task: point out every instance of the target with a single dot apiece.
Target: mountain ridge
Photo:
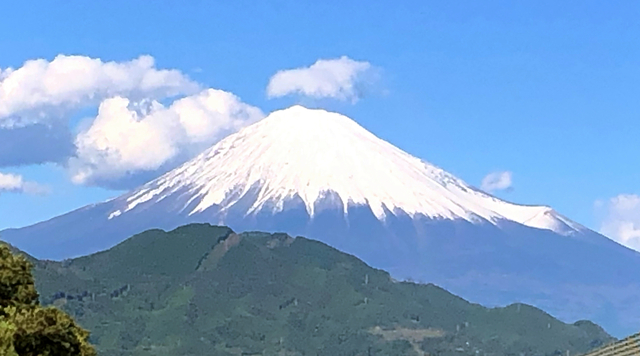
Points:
(225, 293)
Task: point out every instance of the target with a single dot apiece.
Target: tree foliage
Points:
(17, 287)
(26, 328)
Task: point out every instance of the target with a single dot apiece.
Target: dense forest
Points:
(203, 289)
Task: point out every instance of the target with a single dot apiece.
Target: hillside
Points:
(202, 289)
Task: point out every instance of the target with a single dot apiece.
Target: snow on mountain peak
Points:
(309, 153)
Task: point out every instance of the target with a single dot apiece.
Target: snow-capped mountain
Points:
(310, 154)
(321, 175)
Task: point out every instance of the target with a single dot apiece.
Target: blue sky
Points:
(547, 90)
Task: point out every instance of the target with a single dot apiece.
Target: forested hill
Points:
(204, 290)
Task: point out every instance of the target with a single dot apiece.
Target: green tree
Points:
(17, 287)
(26, 328)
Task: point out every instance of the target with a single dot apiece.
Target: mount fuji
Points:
(319, 174)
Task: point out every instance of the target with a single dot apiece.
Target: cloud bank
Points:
(41, 90)
(621, 219)
(149, 119)
(497, 181)
(342, 78)
(16, 184)
(132, 137)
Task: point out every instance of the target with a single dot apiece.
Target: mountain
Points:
(205, 290)
(320, 174)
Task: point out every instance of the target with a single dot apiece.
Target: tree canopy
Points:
(28, 329)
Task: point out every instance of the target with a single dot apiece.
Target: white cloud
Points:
(621, 220)
(341, 78)
(131, 137)
(496, 181)
(16, 183)
(148, 120)
(41, 90)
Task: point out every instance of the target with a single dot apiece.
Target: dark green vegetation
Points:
(26, 328)
(204, 290)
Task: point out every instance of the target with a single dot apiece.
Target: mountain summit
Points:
(319, 174)
(304, 155)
